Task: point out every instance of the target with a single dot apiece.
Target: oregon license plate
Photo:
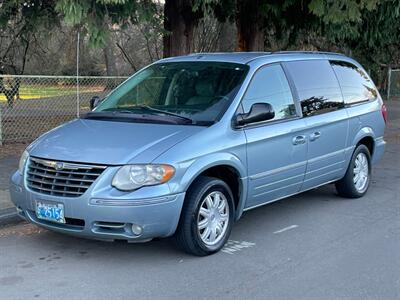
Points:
(53, 212)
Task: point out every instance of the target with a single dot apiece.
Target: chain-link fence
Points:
(32, 105)
(393, 89)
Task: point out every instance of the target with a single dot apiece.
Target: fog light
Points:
(136, 229)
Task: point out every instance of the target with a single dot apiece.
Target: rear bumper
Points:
(379, 149)
(103, 218)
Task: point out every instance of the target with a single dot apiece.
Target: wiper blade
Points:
(129, 116)
(118, 110)
(160, 111)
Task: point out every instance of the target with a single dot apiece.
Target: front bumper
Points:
(103, 218)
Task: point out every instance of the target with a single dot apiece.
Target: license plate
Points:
(53, 212)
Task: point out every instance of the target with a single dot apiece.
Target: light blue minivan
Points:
(186, 145)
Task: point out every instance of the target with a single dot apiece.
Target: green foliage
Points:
(33, 14)
(21, 23)
(96, 17)
(368, 29)
(74, 11)
(341, 11)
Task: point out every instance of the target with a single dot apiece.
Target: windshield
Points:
(198, 92)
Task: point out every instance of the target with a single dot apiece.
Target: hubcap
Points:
(361, 172)
(213, 218)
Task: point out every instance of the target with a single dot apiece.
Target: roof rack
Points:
(229, 52)
(261, 53)
(306, 52)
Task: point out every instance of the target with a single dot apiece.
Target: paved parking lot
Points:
(312, 246)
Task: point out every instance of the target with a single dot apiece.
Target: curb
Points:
(9, 215)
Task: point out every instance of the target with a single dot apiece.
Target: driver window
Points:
(269, 85)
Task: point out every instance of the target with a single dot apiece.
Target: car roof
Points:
(247, 57)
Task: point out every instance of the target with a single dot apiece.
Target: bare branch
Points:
(127, 56)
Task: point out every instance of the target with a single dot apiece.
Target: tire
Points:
(205, 192)
(347, 186)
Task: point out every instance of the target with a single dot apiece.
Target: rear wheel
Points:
(356, 181)
(206, 218)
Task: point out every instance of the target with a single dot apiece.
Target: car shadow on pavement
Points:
(69, 246)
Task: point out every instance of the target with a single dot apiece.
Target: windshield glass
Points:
(198, 92)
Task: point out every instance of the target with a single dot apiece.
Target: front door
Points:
(276, 149)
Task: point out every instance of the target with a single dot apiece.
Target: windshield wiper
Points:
(131, 110)
(117, 110)
(129, 116)
(160, 111)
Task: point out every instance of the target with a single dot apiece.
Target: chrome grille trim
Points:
(60, 178)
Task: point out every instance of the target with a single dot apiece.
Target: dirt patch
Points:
(22, 229)
(13, 149)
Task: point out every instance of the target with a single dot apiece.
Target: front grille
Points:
(60, 178)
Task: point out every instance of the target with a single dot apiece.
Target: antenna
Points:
(77, 75)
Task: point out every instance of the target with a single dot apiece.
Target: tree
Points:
(367, 30)
(21, 24)
(98, 18)
(250, 27)
(256, 20)
(180, 19)
(95, 18)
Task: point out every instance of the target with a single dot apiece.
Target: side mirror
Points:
(94, 102)
(258, 112)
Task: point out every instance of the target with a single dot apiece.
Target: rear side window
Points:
(269, 85)
(355, 83)
(316, 85)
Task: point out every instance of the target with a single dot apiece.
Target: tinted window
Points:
(355, 83)
(269, 85)
(317, 86)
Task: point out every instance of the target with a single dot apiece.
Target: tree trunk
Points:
(249, 21)
(226, 40)
(109, 59)
(179, 22)
(111, 67)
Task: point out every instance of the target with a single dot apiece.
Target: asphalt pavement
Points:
(315, 245)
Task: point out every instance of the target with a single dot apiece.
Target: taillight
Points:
(384, 112)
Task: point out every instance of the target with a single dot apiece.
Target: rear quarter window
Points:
(355, 83)
(316, 85)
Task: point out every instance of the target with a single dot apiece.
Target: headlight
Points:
(132, 177)
(22, 161)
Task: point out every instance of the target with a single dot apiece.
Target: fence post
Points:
(1, 131)
(77, 77)
(389, 83)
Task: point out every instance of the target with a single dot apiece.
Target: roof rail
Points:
(230, 52)
(306, 52)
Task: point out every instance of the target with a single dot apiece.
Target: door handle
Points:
(300, 139)
(314, 136)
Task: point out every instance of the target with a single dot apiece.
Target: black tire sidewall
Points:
(211, 186)
(350, 175)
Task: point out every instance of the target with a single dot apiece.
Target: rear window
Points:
(316, 85)
(355, 83)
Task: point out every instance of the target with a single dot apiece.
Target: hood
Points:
(109, 142)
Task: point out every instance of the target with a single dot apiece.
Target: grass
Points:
(30, 92)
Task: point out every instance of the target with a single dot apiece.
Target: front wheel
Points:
(206, 218)
(356, 181)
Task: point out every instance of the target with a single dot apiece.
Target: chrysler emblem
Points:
(59, 166)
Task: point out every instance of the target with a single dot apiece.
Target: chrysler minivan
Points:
(186, 145)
